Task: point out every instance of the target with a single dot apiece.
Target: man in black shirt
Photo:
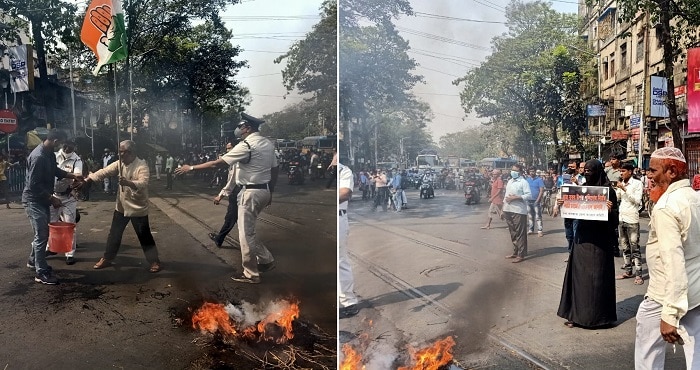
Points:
(37, 197)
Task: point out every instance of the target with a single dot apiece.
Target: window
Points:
(640, 48)
(639, 99)
(612, 65)
(623, 56)
(606, 75)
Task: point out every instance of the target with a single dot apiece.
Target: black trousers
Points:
(231, 216)
(169, 178)
(143, 232)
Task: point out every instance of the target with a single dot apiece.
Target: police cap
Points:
(250, 120)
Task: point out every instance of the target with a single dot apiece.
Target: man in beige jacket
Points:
(132, 205)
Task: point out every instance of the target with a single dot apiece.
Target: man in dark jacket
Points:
(38, 196)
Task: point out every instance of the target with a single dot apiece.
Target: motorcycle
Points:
(472, 195)
(295, 175)
(426, 190)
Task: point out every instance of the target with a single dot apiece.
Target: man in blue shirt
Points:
(398, 191)
(38, 196)
(534, 205)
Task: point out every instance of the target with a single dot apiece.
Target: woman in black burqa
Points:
(588, 293)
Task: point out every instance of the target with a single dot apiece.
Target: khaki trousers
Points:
(250, 203)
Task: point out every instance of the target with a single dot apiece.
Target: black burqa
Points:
(588, 293)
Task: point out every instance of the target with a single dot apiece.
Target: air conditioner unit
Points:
(620, 113)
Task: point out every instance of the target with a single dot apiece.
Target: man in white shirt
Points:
(515, 212)
(159, 165)
(346, 293)
(256, 174)
(669, 312)
(68, 160)
(629, 192)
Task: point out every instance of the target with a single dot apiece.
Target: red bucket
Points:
(61, 236)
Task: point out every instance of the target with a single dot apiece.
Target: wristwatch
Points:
(191, 168)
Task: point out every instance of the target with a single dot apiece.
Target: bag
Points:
(404, 182)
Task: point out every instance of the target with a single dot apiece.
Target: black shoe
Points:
(213, 237)
(70, 261)
(617, 253)
(349, 311)
(243, 279)
(46, 278)
(31, 265)
(49, 253)
(265, 267)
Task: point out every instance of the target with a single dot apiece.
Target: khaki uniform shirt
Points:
(132, 203)
(254, 163)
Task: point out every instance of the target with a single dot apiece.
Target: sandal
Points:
(485, 227)
(569, 324)
(638, 280)
(102, 263)
(624, 276)
(155, 267)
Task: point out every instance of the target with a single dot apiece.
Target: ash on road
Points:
(126, 317)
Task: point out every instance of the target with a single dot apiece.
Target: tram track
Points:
(436, 307)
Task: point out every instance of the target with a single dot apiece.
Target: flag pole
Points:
(116, 119)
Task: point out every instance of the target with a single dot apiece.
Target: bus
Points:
(322, 143)
(466, 163)
(424, 161)
(498, 163)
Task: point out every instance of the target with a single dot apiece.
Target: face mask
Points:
(238, 132)
(514, 174)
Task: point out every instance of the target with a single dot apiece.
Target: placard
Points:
(585, 202)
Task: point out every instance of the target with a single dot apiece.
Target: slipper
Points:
(569, 324)
(512, 256)
(155, 267)
(638, 280)
(485, 227)
(518, 260)
(626, 275)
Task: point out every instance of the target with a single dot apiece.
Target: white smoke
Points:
(247, 314)
(380, 356)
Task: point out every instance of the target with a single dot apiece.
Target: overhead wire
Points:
(438, 16)
(435, 37)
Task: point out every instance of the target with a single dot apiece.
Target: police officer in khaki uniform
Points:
(256, 176)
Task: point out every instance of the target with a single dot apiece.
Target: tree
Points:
(531, 83)
(376, 74)
(473, 143)
(678, 21)
(312, 65)
(50, 21)
(292, 122)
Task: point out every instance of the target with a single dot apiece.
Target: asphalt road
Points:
(430, 271)
(125, 317)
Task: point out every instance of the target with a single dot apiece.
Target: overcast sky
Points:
(446, 48)
(266, 29)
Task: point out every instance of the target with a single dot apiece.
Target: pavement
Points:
(430, 272)
(127, 317)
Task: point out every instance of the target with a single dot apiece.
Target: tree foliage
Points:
(312, 66)
(531, 82)
(376, 76)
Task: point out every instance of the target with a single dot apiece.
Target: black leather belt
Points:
(254, 186)
(342, 212)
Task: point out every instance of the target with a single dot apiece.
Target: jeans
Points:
(534, 211)
(143, 232)
(231, 216)
(398, 199)
(39, 214)
(629, 244)
(569, 232)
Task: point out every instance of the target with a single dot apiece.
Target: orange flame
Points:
(213, 317)
(432, 357)
(351, 360)
(283, 319)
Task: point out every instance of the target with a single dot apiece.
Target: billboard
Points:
(594, 110)
(659, 93)
(21, 68)
(693, 90)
